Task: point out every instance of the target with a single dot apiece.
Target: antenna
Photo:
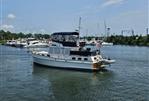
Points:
(108, 31)
(105, 27)
(105, 36)
(147, 31)
(79, 27)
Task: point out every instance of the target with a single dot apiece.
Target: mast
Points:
(105, 26)
(98, 29)
(79, 27)
(147, 31)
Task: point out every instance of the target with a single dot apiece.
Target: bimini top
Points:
(68, 39)
(66, 33)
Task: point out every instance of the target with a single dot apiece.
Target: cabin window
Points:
(85, 59)
(53, 45)
(73, 58)
(48, 55)
(79, 58)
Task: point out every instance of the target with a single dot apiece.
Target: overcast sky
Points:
(48, 16)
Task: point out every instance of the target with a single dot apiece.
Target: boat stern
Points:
(98, 66)
(100, 63)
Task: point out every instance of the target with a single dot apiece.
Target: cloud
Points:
(7, 27)
(11, 16)
(111, 2)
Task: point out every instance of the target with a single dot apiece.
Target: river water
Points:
(126, 80)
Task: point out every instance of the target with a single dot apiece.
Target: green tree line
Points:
(138, 40)
(135, 40)
(7, 35)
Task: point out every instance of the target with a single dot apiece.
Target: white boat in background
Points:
(107, 44)
(33, 43)
(10, 42)
(27, 43)
(101, 42)
(65, 51)
(36, 44)
(16, 43)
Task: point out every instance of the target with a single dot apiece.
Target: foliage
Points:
(6, 35)
(138, 40)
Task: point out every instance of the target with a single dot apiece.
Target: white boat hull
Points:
(65, 64)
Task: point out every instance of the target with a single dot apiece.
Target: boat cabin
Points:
(67, 44)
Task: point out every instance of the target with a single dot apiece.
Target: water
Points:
(126, 80)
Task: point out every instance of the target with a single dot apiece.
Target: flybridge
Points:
(68, 39)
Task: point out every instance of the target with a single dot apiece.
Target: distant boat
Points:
(36, 44)
(10, 42)
(107, 44)
(27, 43)
(65, 51)
(99, 42)
(15, 43)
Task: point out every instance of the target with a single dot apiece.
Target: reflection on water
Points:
(76, 85)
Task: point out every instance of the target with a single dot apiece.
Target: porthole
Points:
(73, 58)
(85, 59)
(79, 58)
(48, 55)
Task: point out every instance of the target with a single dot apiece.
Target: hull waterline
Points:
(65, 64)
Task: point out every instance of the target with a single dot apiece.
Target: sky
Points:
(48, 16)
